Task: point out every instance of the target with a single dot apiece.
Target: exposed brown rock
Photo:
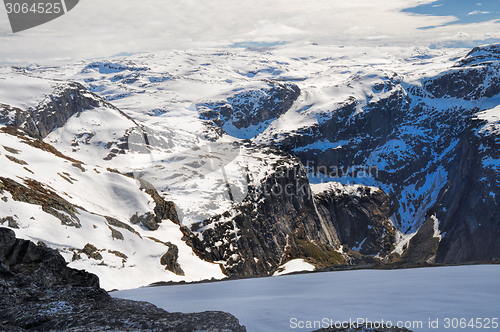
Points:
(169, 259)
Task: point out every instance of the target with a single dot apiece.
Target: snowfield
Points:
(280, 303)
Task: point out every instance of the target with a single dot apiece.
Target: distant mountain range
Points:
(199, 165)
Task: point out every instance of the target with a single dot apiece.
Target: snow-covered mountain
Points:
(196, 165)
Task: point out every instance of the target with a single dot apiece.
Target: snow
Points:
(96, 193)
(22, 91)
(103, 124)
(417, 199)
(269, 304)
(103, 193)
(492, 119)
(322, 146)
(142, 267)
(394, 151)
(340, 189)
(295, 265)
(402, 240)
(437, 232)
(359, 246)
(491, 163)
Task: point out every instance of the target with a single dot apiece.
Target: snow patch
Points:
(340, 189)
(437, 232)
(295, 265)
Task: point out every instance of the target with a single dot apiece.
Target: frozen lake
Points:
(287, 303)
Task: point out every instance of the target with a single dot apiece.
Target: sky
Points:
(105, 28)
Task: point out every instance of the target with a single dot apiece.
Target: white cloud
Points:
(266, 31)
(377, 37)
(476, 12)
(97, 28)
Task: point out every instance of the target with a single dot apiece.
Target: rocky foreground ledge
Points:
(38, 292)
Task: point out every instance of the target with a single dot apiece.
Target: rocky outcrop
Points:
(34, 192)
(352, 135)
(282, 219)
(361, 216)
(163, 210)
(251, 108)
(39, 293)
(479, 55)
(22, 260)
(473, 77)
(53, 112)
(278, 221)
(11, 222)
(92, 252)
(423, 245)
(169, 259)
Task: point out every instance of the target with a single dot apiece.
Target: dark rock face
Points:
(430, 154)
(39, 293)
(480, 55)
(67, 100)
(282, 219)
(169, 259)
(277, 222)
(473, 77)
(163, 210)
(357, 134)
(465, 83)
(468, 205)
(362, 219)
(423, 245)
(39, 264)
(251, 107)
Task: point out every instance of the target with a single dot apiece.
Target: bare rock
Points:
(38, 292)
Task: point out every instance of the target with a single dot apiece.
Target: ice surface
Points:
(268, 304)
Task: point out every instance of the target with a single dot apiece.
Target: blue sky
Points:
(465, 11)
(97, 28)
